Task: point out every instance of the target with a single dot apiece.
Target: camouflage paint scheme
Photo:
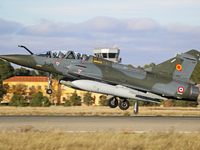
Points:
(169, 79)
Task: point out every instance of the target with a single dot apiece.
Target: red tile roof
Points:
(26, 79)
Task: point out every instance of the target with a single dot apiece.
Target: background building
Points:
(108, 53)
(31, 85)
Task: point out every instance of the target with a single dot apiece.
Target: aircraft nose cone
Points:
(24, 60)
(7, 57)
(10, 58)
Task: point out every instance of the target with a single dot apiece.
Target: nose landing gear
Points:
(49, 79)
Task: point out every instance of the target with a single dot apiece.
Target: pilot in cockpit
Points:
(61, 55)
(54, 54)
(83, 57)
(48, 54)
(78, 56)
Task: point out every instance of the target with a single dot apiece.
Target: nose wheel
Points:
(49, 79)
(49, 91)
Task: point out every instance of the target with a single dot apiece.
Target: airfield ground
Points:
(26, 135)
(99, 111)
(98, 141)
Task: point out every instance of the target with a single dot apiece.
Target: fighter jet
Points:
(167, 80)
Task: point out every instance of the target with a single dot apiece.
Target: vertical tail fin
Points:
(180, 67)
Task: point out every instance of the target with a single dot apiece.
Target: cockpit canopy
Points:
(64, 55)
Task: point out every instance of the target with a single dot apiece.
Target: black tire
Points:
(124, 105)
(49, 91)
(113, 102)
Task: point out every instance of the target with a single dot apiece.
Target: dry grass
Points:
(98, 111)
(35, 140)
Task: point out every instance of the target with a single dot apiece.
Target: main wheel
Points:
(124, 105)
(113, 102)
(49, 91)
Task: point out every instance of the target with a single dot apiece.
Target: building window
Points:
(105, 55)
(112, 55)
(26, 87)
(33, 86)
(39, 87)
(13, 87)
(64, 99)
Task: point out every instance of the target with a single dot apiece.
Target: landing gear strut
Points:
(113, 102)
(135, 110)
(124, 104)
(49, 79)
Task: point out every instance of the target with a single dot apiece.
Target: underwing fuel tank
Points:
(119, 91)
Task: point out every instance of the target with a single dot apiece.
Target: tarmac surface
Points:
(137, 124)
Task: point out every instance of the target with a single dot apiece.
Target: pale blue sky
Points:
(150, 29)
(76, 11)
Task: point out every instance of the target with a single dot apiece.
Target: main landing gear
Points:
(113, 102)
(49, 79)
(123, 104)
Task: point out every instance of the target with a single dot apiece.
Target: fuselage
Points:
(101, 70)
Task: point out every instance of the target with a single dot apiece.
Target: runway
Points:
(138, 124)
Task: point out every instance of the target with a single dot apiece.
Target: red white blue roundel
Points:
(181, 89)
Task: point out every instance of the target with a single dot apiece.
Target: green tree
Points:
(147, 66)
(18, 101)
(181, 103)
(75, 99)
(3, 89)
(37, 99)
(32, 91)
(88, 99)
(6, 71)
(14, 100)
(67, 103)
(130, 65)
(21, 72)
(103, 101)
(195, 77)
(152, 64)
(22, 102)
(139, 67)
(37, 73)
(45, 102)
(19, 90)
